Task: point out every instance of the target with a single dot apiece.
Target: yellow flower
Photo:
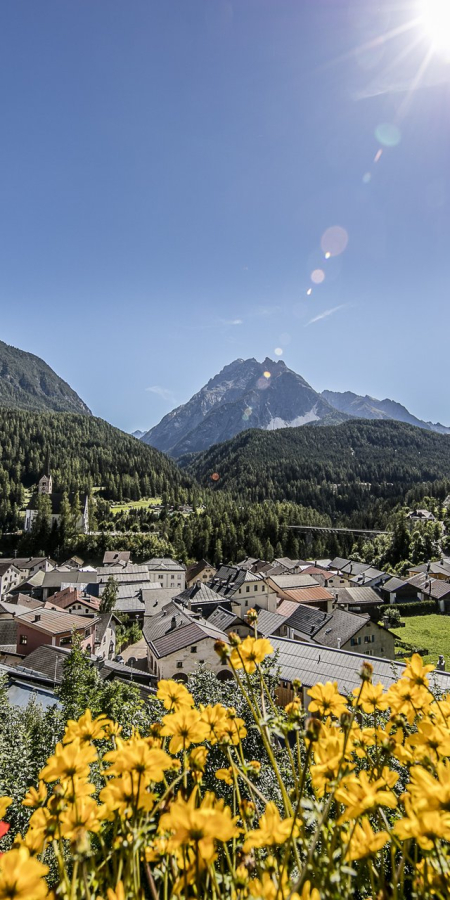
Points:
(87, 729)
(225, 775)
(215, 718)
(118, 893)
(429, 792)
(308, 893)
(327, 762)
(365, 841)
(371, 697)
(22, 876)
(199, 826)
(232, 731)
(68, 761)
(136, 755)
(360, 795)
(174, 695)
(272, 829)
(42, 825)
(4, 803)
(250, 652)
(185, 728)
(80, 818)
(426, 826)
(416, 671)
(34, 798)
(431, 741)
(197, 759)
(327, 700)
(408, 699)
(125, 794)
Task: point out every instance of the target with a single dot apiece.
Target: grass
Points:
(432, 632)
(144, 503)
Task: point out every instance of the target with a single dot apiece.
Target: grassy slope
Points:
(432, 632)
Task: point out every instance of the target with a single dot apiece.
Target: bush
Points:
(415, 608)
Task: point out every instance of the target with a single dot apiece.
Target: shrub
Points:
(414, 608)
(362, 807)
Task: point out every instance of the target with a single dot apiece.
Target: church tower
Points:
(45, 485)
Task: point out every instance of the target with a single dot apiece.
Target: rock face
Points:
(245, 394)
(27, 382)
(371, 408)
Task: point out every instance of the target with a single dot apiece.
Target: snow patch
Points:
(277, 422)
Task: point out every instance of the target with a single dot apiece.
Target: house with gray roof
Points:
(179, 640)
(337, 628)
(311, 664)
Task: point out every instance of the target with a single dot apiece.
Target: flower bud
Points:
(252, 616)
(223, 650)
(312, 729)
(366, 671)
(234, 639)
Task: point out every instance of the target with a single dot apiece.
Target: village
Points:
(323, 617)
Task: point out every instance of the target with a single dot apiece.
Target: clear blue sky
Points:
(167, 171)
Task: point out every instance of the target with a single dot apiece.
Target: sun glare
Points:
(436, 17)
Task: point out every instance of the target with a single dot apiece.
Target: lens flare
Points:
(318, 276)
(388, 134)
(327, 254)
(278, 351)
(334, 240)
(266, 374)
(309, 292)
(215, 476)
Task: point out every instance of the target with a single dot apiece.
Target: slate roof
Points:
(437, 589)
(340, 627)
(5, 566)
(419, 580)
(393, 584)
(312, 664)
(224, 618)
(369, 574)
(129, 604)
(268, 622)
(48, 660)
(199, 593)
(129, 575)
(13, 609)
(228, 580)
(338, 562)
(127, 591)
(25, 562)
(354, 568)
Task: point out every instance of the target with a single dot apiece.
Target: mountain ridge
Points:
(266, 395)
(28, 382)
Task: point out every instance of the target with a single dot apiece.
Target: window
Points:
(179, 664)
(256, 587)
(193, 649)
(263, 587)
(247, 590)
(23, 639)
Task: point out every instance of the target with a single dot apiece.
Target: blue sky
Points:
(168, 169)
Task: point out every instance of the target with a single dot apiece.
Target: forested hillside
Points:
(27, 382)
(84, 452)
(334, 469)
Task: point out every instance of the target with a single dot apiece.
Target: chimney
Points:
(339, 643)
(173, 622)
(37, 617)
(385, 622)
(441, 664)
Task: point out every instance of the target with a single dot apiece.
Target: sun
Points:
(436, 19)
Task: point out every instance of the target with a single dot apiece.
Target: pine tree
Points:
(109, 596)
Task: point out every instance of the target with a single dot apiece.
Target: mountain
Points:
(27, 382)
(332, 469)
(369, 408)
(245, 394)
(138, 434)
